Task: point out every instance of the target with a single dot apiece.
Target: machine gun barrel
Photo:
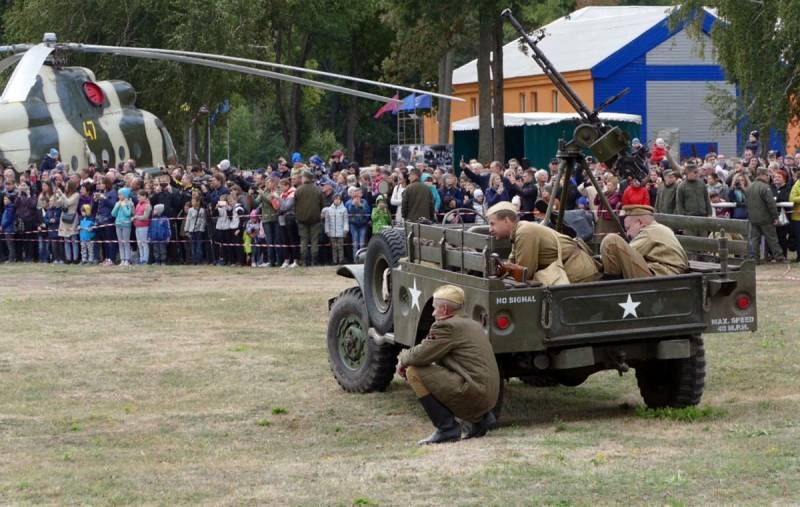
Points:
(550, 71)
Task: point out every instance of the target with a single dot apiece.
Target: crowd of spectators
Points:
(311, 212)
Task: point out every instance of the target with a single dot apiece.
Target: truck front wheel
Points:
(359, 364)
(673, 382)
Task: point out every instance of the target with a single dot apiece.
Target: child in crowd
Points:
(44, 242)
(159, 235)
(86, 231)
(359, 212)
(141, 221)
(380, 215)
(336, 227)
(52, 217)
(479, 205)
(252, 249)
(195, 228)
(123, 213)
(7, 226)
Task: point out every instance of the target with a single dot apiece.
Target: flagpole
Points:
(398, 125)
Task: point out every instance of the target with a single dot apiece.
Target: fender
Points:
(354, 271)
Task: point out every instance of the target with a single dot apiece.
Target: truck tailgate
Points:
(623, 310)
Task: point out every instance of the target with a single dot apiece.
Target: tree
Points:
(758, 45)
(428, 35)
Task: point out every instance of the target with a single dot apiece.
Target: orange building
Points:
(527, 94)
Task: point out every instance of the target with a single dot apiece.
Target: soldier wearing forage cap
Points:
(453, 371)
(535, 246)
(653, 251)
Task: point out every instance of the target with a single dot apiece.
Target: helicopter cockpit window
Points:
(73, 162)
(122, 153)
(105, 156)
(137, 151)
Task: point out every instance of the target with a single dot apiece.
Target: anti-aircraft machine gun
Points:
(608, 143)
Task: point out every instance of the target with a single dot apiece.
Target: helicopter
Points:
(49, 108)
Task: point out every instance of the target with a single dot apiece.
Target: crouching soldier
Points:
(453, 371)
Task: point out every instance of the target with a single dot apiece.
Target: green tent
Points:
(533, 135)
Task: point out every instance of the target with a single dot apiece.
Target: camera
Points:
(199, 181)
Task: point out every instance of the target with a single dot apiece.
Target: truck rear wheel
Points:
(383, 253)
(359, 364)
(674, 382)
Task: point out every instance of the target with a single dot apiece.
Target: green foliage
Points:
(758, 45)
(321, 143)
(686, 414)
(263, 423)
(279, 411)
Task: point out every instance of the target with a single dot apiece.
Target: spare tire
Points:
(383, 252)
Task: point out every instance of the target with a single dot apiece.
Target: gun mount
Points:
(607, 142)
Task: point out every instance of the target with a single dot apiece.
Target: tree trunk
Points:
(485, 143)
(279, 100)
(351, 123)
(445, 86)
(289, 114)
(497, 92)
(351, 105)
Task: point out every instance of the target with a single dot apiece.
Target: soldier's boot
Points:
(480, 428)
(447, 429)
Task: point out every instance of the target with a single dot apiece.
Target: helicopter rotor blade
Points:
(139, 53)
(15, 48)
(24, 76)
(248, 61)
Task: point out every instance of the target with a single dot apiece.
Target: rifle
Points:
(502, 269)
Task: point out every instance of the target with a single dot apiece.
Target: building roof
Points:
(521, 119)
(577, 41)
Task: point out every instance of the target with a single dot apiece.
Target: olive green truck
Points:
(545, 335)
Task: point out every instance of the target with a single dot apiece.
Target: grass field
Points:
(211, 386)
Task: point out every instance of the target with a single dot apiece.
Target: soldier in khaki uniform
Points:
(653, 251)
(453, 371)
(535, 246)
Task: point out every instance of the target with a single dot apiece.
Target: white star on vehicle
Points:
(415, 294)
(630, 307)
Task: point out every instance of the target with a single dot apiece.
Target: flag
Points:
(389, 106)
(422, 102)
(407, 104)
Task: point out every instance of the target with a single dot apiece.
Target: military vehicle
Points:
(47, 104)
(548, 335)
(544, 335)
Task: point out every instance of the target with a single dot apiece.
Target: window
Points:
(473, 106)
(534, 102)
(522, 102)
(555, 101)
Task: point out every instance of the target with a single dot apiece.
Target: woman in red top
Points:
(636, 194)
